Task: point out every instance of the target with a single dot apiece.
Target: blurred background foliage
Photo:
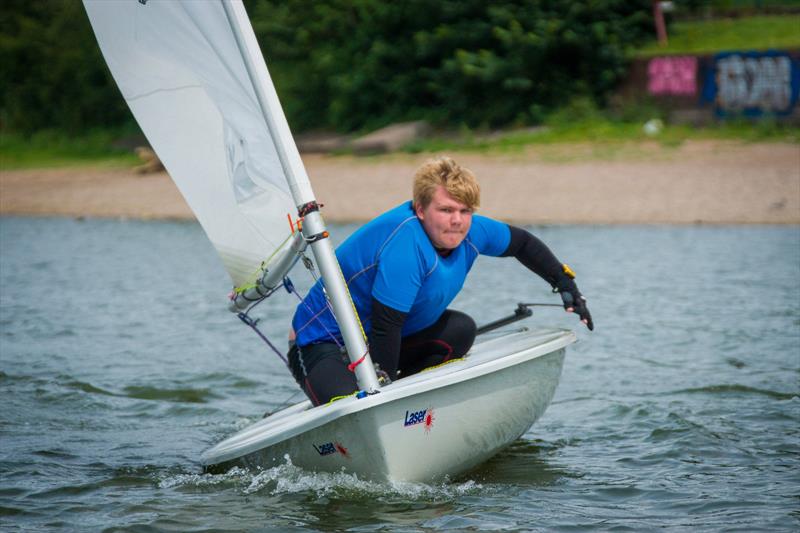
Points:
(355, 65)
(349, 65)
(53, 75)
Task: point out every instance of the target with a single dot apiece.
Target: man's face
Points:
(445, 220)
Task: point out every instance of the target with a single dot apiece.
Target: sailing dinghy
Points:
(197, 84)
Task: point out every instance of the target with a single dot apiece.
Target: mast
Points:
(314, 229)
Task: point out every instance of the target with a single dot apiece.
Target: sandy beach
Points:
(717, 182)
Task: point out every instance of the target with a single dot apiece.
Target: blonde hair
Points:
(459, 182)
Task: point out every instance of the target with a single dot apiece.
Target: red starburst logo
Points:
(429, 418)
(342, 450)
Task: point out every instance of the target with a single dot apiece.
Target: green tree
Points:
(53, 75)
(349, 64)
(362, 63)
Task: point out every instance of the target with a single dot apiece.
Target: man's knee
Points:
(460, 332)
(329, 379)
(321, 371)
(465, 323)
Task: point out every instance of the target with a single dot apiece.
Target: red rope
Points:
(352, 366)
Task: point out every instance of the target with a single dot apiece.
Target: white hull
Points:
(438, 423)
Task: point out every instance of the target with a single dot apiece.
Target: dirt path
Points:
(701, 181)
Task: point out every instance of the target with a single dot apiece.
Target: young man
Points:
(403, 269)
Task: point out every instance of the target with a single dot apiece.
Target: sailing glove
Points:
(574, 300)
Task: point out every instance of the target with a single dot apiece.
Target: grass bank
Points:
(612, 136)
(717, 35)
(582, 123)
(49, 149)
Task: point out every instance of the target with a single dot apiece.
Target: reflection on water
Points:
(119, 366)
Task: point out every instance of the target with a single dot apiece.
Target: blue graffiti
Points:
(752, 83)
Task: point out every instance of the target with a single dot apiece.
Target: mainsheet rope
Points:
(253, 323)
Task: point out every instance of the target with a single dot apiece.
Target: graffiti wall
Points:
(752, 83)
(729, 84)
(672, 75)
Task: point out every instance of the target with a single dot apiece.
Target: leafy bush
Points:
(53, 74)
(352, 65)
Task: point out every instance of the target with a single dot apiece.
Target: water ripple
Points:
(684, 417)
(186, 395)
(727, 389)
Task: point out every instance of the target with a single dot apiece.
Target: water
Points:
(119, 365)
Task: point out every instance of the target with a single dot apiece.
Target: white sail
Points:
(181, 71)
(195, 79)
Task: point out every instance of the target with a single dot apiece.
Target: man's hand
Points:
(574, 302)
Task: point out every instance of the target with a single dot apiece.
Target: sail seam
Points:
(169, 90)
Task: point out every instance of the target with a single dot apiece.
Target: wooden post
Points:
(661, 28)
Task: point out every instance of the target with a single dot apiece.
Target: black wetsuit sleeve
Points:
(385, 336)
(535, 255)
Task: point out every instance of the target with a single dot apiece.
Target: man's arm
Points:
(535, 255)
(385, 337)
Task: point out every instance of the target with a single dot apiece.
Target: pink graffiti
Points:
(672, 75)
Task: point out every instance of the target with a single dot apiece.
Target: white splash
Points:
(290, 479)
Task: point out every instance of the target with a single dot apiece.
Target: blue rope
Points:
(244, 317)
(292, 290)
(289, 286)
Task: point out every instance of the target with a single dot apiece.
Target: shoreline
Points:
(699, 182)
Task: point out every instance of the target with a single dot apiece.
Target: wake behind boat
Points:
(194, 78)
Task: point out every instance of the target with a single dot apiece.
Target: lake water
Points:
(120, 365)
